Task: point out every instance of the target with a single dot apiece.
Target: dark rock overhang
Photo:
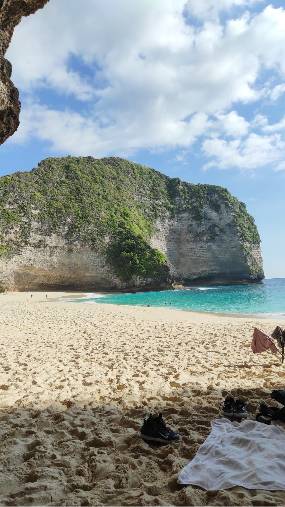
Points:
(11, 13)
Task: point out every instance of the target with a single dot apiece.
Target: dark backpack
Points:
(279, 335)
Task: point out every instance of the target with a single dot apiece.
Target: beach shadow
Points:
(94, 455)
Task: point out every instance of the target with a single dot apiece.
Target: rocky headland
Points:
(11, 13)
(110, 224)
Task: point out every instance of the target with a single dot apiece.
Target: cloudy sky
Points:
(193, 88)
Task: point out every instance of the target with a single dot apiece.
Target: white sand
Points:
(77, 379)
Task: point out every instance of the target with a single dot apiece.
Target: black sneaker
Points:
(228, 406)
(154, 429)
(263, 418)
(279, 395)
(268, 411)
(240, 409)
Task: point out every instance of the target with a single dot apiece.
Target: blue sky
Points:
(193, 88)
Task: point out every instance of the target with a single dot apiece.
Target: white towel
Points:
(248, 454)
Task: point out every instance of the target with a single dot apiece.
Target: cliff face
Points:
(211, 250)
(84, 223)
(11, 12)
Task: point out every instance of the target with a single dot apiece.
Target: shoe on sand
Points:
(228, 406)
(154, 429)
(240, 409)
(276, 414)
(268, 411)
(279, 395)
(265, 419)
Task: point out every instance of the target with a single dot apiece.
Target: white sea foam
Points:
(93, 295)
(207, 288)
(86, 298)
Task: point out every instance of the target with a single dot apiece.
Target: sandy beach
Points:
(77, 379)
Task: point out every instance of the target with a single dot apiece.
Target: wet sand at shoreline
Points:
(76, 380)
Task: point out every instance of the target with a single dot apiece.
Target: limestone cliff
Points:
(86, 223)
(11, 12)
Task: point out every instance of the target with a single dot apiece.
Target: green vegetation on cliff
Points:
(131, 255)
(110, 205)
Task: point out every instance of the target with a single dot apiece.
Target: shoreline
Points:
(61, 296)
(98, 296)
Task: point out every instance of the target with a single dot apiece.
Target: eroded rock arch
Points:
(11, 13)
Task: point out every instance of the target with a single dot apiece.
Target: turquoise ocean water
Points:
(267, 297)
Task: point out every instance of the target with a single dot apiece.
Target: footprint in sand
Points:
(121, 387)
(174, 384)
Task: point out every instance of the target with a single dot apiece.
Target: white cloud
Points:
(78, 134)
(248, 154)
(277, 91)
(205, 9)
(280, 167)
(146, 77)
(232, 124)
(259, 121)
(275, 127)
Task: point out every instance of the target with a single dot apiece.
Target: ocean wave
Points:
(87, 298)
(93, 295)
(208, 288)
